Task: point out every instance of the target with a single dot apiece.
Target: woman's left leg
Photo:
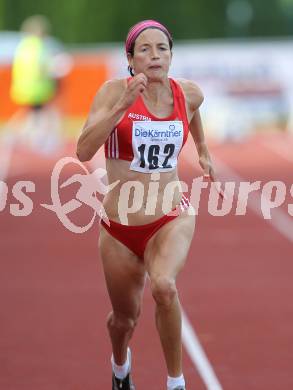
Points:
(164, 257)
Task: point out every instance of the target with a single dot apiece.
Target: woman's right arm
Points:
(105, 112)
(110, 103)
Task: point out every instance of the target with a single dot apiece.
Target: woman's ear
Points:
(130, 60)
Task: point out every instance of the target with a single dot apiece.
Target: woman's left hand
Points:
(206, 164)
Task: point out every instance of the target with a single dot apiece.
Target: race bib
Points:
(156, 145)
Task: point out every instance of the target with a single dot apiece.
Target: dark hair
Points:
(131, 51)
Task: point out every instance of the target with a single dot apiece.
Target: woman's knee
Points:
(122, 323)
(164, 290)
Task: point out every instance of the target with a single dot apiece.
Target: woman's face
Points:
(152, 54)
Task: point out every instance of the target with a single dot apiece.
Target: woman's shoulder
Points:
(113, 86)
(192, 92)
(110, 90)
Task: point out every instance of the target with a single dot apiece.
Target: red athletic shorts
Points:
(136, 237)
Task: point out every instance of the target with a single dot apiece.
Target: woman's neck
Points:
(156, 90)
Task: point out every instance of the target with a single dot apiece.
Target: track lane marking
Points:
(280, 221)
(198, 356)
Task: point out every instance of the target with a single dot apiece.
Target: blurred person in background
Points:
(36, 72)
(124, 116)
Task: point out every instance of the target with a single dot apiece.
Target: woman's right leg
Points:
(125, 278)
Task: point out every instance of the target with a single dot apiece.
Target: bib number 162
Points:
(152, 155)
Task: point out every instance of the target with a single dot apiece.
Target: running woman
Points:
(143, 123)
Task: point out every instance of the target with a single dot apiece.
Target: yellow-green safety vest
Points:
(32, 83)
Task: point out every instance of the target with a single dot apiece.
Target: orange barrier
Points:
(77, 89)
(7, 107)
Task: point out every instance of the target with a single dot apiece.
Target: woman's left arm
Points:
(194, 98)
(197, 133)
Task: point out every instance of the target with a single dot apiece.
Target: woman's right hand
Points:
(135, 87)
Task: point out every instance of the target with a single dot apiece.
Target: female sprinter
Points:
(143, 122)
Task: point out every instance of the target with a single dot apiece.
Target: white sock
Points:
(121, 371)
(172, 383)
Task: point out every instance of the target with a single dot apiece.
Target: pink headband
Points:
(139, 27)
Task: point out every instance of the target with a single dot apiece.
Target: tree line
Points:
(91, 21)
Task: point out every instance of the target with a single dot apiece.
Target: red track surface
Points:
(236, 290)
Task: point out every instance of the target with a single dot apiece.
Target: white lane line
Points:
(8, 139)
(198, 356)
(281, 221)
(5, 159)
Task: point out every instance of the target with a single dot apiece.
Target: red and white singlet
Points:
(152, 144)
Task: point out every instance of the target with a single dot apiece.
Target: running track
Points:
(236, 288)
